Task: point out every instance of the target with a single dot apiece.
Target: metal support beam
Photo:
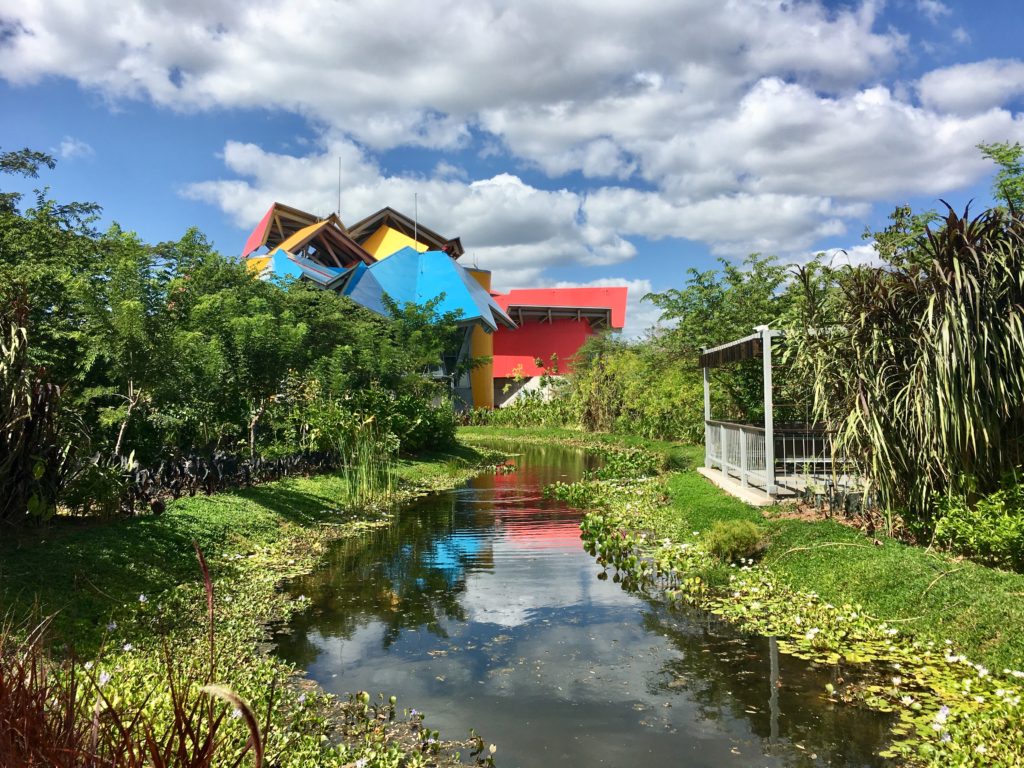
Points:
(707, 417)
(769, 422)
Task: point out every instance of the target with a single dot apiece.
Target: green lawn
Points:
(929, 593)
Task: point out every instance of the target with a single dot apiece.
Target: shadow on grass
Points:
(87, 573)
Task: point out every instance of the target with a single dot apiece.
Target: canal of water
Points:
(480, 607)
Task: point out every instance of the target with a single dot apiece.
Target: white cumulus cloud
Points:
(973, 88)
(746, 125)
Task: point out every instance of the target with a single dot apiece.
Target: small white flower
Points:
(811, 633)
(104, 678)
(941, 715)
(111, 626)
(236, 713)
(143, 599)
(128, 647)
(88, 666)
(897, 681)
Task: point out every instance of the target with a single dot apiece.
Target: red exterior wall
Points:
(534, 339)
(564, 337)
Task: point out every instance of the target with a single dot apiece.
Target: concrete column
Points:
(482, 345)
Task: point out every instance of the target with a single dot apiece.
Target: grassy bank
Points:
(934, 640)
(121, 592)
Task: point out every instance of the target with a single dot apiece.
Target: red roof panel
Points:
(614, 298)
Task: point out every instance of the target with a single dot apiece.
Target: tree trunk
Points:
(133, 400)
(252, 429)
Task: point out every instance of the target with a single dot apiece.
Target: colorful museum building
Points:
(527, 333)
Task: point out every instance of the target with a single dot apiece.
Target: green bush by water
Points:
(733, 540)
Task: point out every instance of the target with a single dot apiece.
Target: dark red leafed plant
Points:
(33, 461)
(57, 713)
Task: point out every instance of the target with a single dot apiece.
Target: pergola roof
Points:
(599, 317)
(747, 348)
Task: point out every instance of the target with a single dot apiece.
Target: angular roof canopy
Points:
(361, 231)
(323, 241)
(409, 276)
(282, 264)
(278, 224)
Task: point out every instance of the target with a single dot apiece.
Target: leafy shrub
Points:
(730, 540)
(99, 486)
(990, 531)
(916, 365)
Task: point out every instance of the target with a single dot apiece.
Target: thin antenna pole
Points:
(416, 217)
(339, 187)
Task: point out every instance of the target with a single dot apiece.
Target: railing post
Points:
(723, 448)
(743, 457)
(707, 417)
(769, 421)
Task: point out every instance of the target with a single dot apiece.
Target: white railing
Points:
(798, 453)
(738, 450)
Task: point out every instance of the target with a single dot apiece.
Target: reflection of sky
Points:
(550, 663)
(523, 584)
(449, 555)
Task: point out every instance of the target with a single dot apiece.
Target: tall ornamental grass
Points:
(918, 366)
(32, 459)
(367, 465)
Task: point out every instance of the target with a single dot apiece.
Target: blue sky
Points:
(565, 142)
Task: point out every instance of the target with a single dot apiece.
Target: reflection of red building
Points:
(553, 323)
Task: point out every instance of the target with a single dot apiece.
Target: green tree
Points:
(716, 306)
(1008, 184)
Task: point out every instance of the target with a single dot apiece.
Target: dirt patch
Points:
(867, 522)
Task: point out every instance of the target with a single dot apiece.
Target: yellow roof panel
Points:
(300, 237)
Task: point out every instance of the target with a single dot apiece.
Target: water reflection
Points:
(481, 608)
